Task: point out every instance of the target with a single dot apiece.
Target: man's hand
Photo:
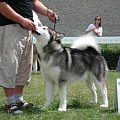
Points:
(53, 17)
(28, 24)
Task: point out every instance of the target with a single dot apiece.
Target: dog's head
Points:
(48, 40)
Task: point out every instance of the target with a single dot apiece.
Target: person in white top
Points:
(96, 28)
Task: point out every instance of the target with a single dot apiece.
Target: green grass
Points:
(78, 106)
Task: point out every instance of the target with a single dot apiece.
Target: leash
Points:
(56, 20)
(54, 26)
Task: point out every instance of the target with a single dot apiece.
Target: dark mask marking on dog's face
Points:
(55, 39)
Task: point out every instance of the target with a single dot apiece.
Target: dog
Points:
(61, 65)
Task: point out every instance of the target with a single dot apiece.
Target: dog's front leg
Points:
(63, 96)
(49, 91)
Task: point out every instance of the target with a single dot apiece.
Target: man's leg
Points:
(24, 69)
(18, 93)
(21, 103)
(9, 92)
(11, 106)
(8, 66)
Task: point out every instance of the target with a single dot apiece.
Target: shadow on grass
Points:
(108, 110)
(85, 105)
(77, 105)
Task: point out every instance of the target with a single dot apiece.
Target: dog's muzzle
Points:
(37, 32)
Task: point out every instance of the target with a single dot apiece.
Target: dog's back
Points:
(83, 57)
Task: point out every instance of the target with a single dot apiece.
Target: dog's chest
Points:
(51, 73)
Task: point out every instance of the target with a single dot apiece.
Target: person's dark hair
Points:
(98, 17)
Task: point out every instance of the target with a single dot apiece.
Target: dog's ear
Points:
(59, 36)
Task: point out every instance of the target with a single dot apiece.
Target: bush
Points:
(111, 53)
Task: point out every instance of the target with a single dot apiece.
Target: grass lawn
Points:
(78, 106)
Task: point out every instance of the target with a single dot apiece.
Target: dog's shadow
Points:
(75, 104)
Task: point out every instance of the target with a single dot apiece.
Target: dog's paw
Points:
(103, 106)
(93, 101)
(62, 109)
(43, 108)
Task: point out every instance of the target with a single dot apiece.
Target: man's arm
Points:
(9, 13)
(39, 7)
(43, 10)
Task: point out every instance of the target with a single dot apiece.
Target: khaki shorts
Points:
(15, 55)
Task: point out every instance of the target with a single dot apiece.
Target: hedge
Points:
(111, 53)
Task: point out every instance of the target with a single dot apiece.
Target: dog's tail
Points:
(84, 42)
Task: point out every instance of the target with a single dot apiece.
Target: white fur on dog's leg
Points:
(49, 93)
(93, 101)
(103, 90)
(62, 109)
(105, 99)
(103, 106)
(43, 108)
(92, 88)
(63, 96)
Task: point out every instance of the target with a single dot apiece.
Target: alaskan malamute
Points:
(60, 65)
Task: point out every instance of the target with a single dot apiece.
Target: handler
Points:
(16, 24)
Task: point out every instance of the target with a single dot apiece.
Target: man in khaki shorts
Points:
(16, 47)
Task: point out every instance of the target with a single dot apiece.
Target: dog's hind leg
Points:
(63, 96)
(92, 88)
(103, 90)
(49, 91)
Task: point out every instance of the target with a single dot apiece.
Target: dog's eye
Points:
(44, 28)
